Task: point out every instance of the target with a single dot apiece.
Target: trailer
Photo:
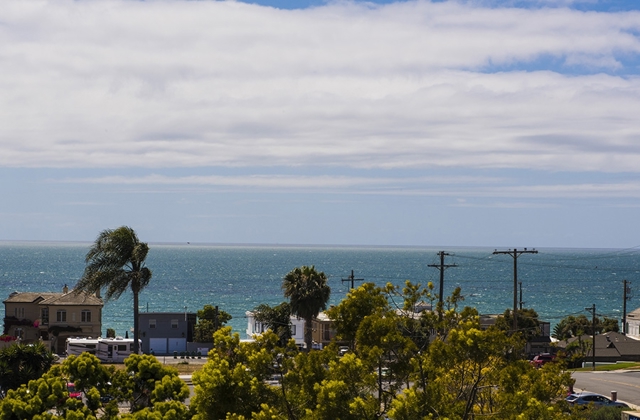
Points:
(113, 350)
(77, 346)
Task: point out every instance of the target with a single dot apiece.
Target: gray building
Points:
(166, 332)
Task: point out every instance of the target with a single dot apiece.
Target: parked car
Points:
(73, 392)
(585, 398)
(541, 359)
(106, 398)
(273, 380)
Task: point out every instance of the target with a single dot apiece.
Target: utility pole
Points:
(442, 266)
(521, 302)
(351, 278)
(626, 296)
(515, 254)
(593, 330)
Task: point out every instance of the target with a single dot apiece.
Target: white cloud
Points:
(462, 188)
(184, 84)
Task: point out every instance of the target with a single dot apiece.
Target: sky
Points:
(491, 123)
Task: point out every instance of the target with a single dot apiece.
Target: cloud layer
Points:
(408, 85)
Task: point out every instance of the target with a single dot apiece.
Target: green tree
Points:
(233, 379)
(20, 363)
(463, 372)
(308, 294)
(210, 320)
(473, 373)
(116, 261)
(609, 324)
(574, 326)
(277, 319)
(43, 398)
(361, 302)
(148, 384)
(528, 322)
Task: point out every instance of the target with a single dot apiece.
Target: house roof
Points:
(609, 344)
(28, 297)
(55, 299)
(635, 314)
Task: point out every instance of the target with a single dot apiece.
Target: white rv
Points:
(76, 346)
(113, 350)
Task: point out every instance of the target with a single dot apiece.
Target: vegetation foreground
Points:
(401, 365)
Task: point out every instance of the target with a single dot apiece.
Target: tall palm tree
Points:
(116, 261)
(308, 294)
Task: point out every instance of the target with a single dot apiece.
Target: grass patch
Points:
(183, 368)
(607, 368)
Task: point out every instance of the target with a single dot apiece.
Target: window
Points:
(18, 312)
(61, 316)
(152, 323)
(19, 333)
(86, 315)
(293, 330)
(174, 323)
(122, 347)
(44, 316)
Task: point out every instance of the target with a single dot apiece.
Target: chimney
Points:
(65, 289)
(98, 294)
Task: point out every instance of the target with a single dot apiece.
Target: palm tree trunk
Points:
(308, 333)
(136, 326)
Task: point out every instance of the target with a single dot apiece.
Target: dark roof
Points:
(609, 344)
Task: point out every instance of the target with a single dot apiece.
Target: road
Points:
(626, 383)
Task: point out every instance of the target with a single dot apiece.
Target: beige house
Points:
(323, 331)
(52, 317)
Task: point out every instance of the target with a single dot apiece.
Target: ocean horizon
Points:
(556, 282)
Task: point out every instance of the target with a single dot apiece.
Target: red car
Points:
(73, 393)
(541, 359)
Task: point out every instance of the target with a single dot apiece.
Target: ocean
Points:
(555, 282)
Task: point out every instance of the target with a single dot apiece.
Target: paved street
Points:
(626, 383)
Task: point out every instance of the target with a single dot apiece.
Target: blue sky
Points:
(440, 123)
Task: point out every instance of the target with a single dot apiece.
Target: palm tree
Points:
(308, 294)
(116, 261)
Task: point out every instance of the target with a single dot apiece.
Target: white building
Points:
(256, 328)
(633, 324)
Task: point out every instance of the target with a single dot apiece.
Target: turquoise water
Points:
(555, 282)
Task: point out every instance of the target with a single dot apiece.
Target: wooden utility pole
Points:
(351, 278)
(521, 302)
(593, 331)
(515, 254)
(626, 292)
(442, 266)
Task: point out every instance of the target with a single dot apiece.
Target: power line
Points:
(441, 267)
(352, 279)
(515, 254)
